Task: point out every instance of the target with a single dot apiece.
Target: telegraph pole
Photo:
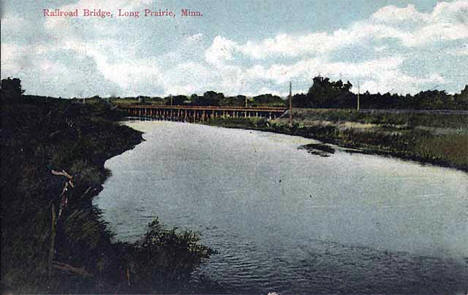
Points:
(358, 92)
(290, 104)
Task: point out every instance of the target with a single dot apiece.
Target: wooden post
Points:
(53, 228)
(358, 91)
(290, 105)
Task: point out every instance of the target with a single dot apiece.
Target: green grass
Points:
(405, 119)
(450, 149)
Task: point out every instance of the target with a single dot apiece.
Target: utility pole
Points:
(171, 98)
(290, 104)
(358, 92)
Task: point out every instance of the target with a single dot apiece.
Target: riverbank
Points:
(439, 139)
(53, 239)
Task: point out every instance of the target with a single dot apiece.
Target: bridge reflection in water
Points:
(201, 113)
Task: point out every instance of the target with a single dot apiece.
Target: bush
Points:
(165, 258)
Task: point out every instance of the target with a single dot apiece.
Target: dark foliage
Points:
(41, 134)
(329, 94)
(12, 86)
(267, 99)
(325, 93)
(212, 98)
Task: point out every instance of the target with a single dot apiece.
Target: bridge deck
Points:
(200, 113)
(205, 108)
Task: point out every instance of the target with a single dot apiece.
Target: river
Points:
(288, 221)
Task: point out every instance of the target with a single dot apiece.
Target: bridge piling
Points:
(200, 113)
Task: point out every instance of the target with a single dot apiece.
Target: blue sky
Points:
(236, 47)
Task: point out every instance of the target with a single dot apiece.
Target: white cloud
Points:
(392, 14)
(311, 53)
(187, 78)
(381, 74)
(448, 21)
(221, 50)
(391, 37)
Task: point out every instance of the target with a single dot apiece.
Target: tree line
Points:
(213, 98)
(324, 93)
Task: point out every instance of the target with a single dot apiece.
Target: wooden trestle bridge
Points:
(200, 113)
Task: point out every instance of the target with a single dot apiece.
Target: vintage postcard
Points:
(234, 147)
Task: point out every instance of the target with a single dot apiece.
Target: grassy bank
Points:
(53, 239)
(438, 139)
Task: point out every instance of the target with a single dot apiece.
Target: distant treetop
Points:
(12, 85)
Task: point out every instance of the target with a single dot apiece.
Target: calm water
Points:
(287, 221)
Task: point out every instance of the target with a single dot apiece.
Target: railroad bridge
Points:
(200, 113)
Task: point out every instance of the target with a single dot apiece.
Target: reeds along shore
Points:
(53, 239)
(439, 139)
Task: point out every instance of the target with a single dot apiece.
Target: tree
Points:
(326, 93)
(267, 99)
(209, 98)
(12, 85)
(177, 100)
(461, 99)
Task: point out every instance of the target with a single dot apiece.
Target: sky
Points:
(235, 47)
